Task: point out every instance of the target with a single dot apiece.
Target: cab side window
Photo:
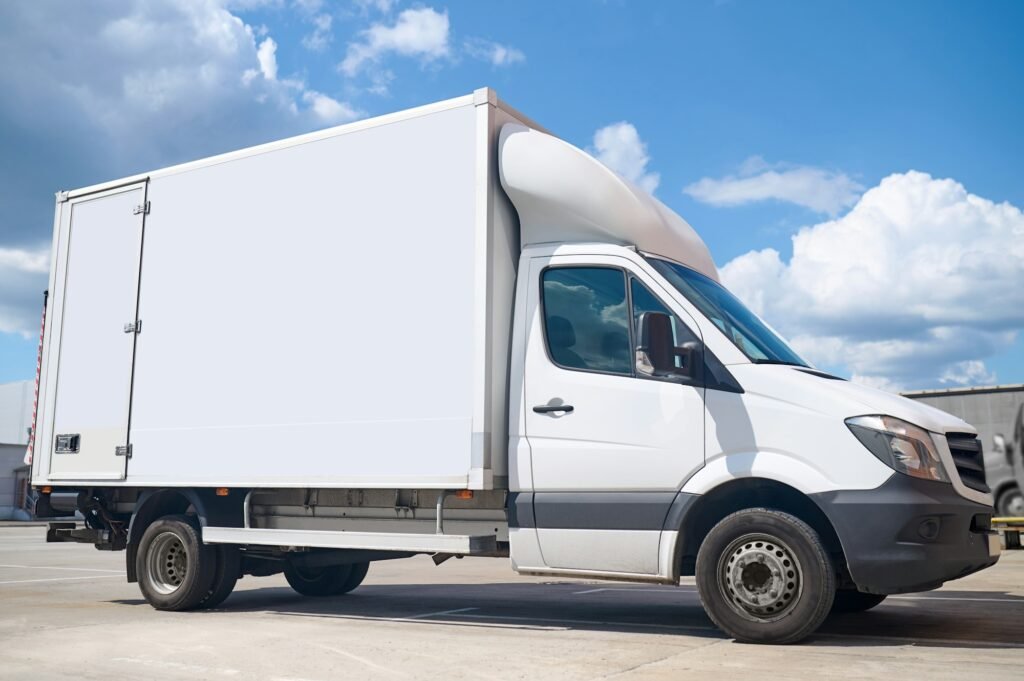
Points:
(586, 323)
(645, 301)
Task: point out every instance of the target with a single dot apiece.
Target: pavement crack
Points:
(659, 660)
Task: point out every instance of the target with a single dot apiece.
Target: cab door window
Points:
(586, 323)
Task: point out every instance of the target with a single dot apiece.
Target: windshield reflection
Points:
(741, 326)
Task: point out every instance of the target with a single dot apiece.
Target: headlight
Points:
(900, 445)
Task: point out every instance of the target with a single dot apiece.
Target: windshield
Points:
(740, 325)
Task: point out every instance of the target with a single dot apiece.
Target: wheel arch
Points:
(153, 504)
(707, 509)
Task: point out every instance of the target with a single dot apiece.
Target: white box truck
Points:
(445, 331)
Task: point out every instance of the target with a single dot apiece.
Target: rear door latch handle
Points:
(548, 408)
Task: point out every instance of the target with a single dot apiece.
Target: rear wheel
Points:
(851, 600)
(174, 567)
(330, 580)
(355, 577)
(225, 576)
(764, 577)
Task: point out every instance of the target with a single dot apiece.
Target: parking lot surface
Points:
(67, 613)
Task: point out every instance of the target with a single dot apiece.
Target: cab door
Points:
(609, 448)
(96, 297)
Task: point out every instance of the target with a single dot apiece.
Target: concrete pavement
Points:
(67, 613)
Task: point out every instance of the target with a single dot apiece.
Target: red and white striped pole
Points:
(39, 369)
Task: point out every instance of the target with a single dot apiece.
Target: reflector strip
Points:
(35, 397)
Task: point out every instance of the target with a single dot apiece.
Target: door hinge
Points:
(133, 327)
(141, 209)
(123, 450)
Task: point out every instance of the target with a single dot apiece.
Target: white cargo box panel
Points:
(330, 310)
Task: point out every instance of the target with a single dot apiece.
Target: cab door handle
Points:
(549, 408)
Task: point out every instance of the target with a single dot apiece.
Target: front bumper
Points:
(910, 534)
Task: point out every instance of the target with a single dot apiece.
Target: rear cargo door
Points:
(98, 261)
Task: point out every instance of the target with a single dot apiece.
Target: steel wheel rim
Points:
(168, 563)
(760, 577)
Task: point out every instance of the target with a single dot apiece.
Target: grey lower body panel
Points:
(909, 534)
(598, 510)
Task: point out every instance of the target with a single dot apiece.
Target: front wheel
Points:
(764, 577)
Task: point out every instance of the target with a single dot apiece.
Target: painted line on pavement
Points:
(53, 567)
(958, 598)
(58, 579)
(437, 614)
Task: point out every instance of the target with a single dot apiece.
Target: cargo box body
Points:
(332, 310)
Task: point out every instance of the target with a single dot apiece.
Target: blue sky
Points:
(757, 121)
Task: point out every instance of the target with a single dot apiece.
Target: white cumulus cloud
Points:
(620, 148)
(918, 283)
(23, 278)
(495, 53)
(970, 372)
(330, 110)
(382, 6)
(177, 74)
(320, 38)
(422, 33)
(823, 191)
(267, 57)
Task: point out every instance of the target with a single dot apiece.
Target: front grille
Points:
(969, 460)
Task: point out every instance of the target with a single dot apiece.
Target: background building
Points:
(996, 411)
(15, 421)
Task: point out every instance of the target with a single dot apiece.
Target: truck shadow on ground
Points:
(952, 619)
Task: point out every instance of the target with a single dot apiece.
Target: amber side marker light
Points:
(46, 490)
(464, 494)
(222, 491)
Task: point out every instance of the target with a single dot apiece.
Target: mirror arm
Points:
(642, 361)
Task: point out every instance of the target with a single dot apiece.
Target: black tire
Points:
(1010, 503)
(355, 577)
(174, 566)
(320, 581)
(764, 577)
(851, 600)
(225, 575)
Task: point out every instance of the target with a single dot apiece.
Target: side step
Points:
(455, 544)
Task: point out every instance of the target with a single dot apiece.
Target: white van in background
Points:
(445, 331)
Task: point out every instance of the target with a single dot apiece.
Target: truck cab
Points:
(658, 424)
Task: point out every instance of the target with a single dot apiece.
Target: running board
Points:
(456, 544)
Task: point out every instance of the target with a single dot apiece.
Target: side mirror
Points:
(656, 351)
